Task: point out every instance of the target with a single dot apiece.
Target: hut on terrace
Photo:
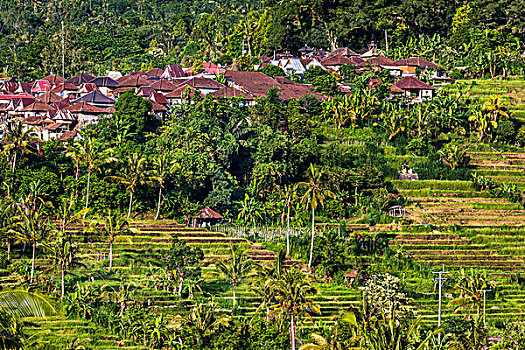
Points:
(206, 217)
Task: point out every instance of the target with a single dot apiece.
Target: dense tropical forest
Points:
(320, 238)
(129, 34)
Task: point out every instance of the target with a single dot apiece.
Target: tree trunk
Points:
(110, 256)
(158, 205)
(288, 233)
(8, 249)
(234, 290)
(181, 280)
(87, 191)
(33, 263)
(14, 163)
(63, 278)
(292, 332)
(312, 242)
(130, 201)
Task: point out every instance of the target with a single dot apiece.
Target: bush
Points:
(506, 131)
(520, 137)
(272, 71)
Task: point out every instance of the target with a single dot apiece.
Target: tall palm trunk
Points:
(234, 285)
(63, 278)
(33, 263)
(110, 256)
(130, 202)
(292, 331)
(288, 233)
(14, 163)
(312, 242)
(8, 249)
(87, 191)
(158, 204)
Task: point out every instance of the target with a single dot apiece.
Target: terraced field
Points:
(459, 227)
(512, 90)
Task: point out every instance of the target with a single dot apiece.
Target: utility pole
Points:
(63, 51)
(440, 279)
(484, 291)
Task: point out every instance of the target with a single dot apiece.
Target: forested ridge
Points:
(134, 34)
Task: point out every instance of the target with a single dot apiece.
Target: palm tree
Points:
(33, 229)
(8, 219)
(17, 141)
(260, 284)
(288, 196)
(115, 228)
(90, 153)
(250, 211)
(22, 303)
(292, 291)
(162, 167)
(202, 320)
(235, 267)
(132, 174)
(66, 213)
(64, 255)
(315, 194)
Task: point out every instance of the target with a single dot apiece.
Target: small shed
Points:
(206, 217)
(397, 211)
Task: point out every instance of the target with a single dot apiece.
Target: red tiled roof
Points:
(207, 213)
(163, 85)
(157, 97)
(54, 79)
(64, 87)
(24, 87)
(54, 126)
(257, 84)
(411, 83)
(378, 61)
(416, 62)
(33, 120)
(134, 81)
(84, 107)
(67, 135)
(38, 106)
(80, 79)
(254, 83)
(227, 92)
(173, 71)
(335, 60)
(155, 72)
(49, 97)
(343, 51)
(158, 108)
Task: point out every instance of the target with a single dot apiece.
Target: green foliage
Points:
(323, 80)
(135, 114)
(272, 70)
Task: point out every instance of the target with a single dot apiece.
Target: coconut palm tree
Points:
(90, 153)
(67, 214)
(288, 196)
(202, 320)
(235, 268)
(162, 168)
(33, 228)
(132, 174)
(114, 228)
(260, 284)
(8, 218)
(315, 194)
(292, 291)
(64, 253)
(17, 141)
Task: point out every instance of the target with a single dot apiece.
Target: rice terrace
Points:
(262, 175)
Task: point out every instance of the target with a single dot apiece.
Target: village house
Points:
(413, 89)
